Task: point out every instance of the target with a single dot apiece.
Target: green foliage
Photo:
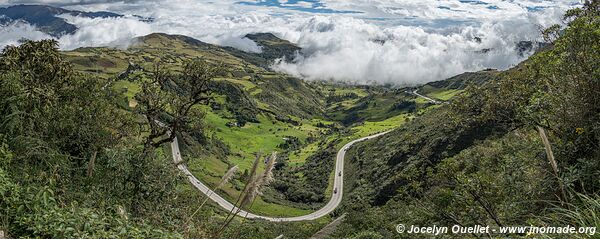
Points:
(168, 100)
(37, 84)
(377, 105)
(96, 174)
(399, 161)
(46, 106)
(335, 98)
(556, 89)
(311, 187)
(238, 102)
(287, 96)
(55, 124)
(73, 165)
(567, 103)
(460, 82)
(434, 170)
(35, 212)
(585, 212)
(496, 182)
(367, 235)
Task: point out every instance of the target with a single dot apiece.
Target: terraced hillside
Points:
(255, 110)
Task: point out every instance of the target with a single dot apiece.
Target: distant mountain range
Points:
(47, 20)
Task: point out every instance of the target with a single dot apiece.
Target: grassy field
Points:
(444, 94)
(249, 87)
(298, 157)
(129, 88)
(245, 142)
(265, 137)
(421, 101)
(369, 128)
(202, 169)
(253, 138)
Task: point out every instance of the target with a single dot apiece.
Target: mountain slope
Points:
(46, 18)
(273, 47)
(509, 151)
(257, 110)
(274, 94)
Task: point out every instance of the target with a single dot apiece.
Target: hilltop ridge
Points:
(47, 18)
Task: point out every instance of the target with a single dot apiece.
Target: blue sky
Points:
(311, 6)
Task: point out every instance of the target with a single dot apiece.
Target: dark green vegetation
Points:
(482, 160)
(446, 89)
(306, 184)
(51, 135)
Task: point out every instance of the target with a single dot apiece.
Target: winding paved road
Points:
(416, 92)
(334, 201)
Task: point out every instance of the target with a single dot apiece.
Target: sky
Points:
(398, 42)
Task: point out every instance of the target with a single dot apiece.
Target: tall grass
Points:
(254, 186)
(224, 180)
(260, 182)
(583, 213)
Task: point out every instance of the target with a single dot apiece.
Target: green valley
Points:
(256, 111)
(96, 142)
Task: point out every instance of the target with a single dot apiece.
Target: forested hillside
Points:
(521, 149)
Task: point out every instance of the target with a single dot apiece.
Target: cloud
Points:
(357, 52)
(10, 34)
(373, 42)
(111, 32)
(64, 2)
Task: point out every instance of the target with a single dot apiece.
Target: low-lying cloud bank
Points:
(10, 34)
(358, 52)
(340, 47)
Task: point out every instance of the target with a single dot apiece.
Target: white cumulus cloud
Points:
(11, 34)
